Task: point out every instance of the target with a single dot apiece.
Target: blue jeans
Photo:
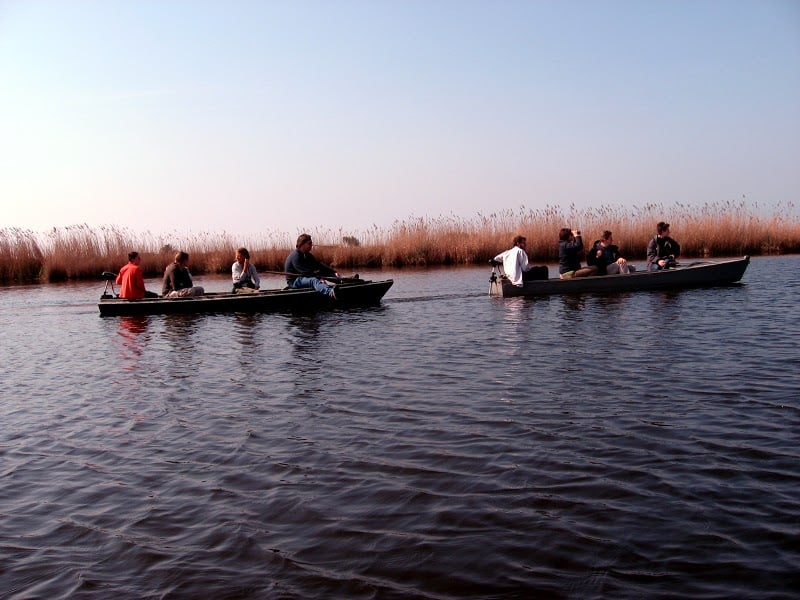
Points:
(312, 282)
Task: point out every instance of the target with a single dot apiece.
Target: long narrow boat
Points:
(354, 292)
(694, 274)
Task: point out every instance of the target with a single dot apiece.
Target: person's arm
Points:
(168, 284)
(594, 255)
(652, 251)
(576, 244)
(239, 272)
(254, 274)
(188, 278)
(322, 269)
(138, 284)
(522, 261)
(293, 265)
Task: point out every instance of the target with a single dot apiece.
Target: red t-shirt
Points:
(132, 281)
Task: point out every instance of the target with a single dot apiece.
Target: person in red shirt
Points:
(132, 280)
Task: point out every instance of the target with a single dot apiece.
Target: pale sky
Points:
(256, 116)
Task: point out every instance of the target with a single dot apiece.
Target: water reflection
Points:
(573, 302)
(245, 329)
(134, 338)
(181, 333)
(179, 328)
(306, 339)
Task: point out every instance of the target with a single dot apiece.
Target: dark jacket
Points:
(175, 278)
(569, 255)
(609, 256)
(661, 247)
(305, 265)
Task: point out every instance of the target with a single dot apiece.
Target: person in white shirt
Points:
(244, 272)
(515, 261)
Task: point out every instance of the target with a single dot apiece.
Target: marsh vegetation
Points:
(711, 230)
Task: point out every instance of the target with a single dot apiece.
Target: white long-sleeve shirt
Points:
(515, 263)
(239, 276)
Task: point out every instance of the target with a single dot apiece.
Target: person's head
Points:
(304, 242)
(520, 240)
(564, 234)
(607, 237)
(181, 257)
(662, 228)
(242, 254)
(132, 256)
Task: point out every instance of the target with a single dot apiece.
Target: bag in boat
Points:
(535, 274)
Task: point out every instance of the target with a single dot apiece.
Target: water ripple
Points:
(442, 445)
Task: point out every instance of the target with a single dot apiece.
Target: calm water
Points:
(443, 445)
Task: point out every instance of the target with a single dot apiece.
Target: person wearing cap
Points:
(303, 270)
(662, 250)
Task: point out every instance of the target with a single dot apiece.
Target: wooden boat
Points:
(350, 292)
(694, 274)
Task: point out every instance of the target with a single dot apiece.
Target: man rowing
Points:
(303, 270)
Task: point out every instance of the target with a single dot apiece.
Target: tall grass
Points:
(717, 229)
(21, 257)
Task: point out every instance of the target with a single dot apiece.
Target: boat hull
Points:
(362, 293)
(696, 274)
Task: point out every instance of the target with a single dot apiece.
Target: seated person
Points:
(177, 280)
(244, 272)
(570, 245)
(605, 256)
(662, 250)
(132, 280)
(305, 271)
(516, 265)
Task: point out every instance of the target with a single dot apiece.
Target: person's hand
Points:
(599, 253)
(576, 232)
(621, 262)
(662, 263)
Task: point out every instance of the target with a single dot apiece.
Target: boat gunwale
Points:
(731, 271)
(368, 292)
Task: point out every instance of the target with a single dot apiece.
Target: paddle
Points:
(326, 277)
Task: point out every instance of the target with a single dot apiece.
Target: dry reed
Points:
(716, 229)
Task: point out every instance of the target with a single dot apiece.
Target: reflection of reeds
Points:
(717, 229)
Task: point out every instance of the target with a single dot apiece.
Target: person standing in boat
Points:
(570, 245)
(177, 279)
(515, 263)
(303, 270)
(244, 272)
(605, 256)
(131, 280)
(662, 250)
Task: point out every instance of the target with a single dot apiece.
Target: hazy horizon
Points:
(259, 118)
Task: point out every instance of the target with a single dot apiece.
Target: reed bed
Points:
(710, 230)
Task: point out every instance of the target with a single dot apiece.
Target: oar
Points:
(328, 277)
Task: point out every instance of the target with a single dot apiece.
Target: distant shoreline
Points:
(713, 230)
